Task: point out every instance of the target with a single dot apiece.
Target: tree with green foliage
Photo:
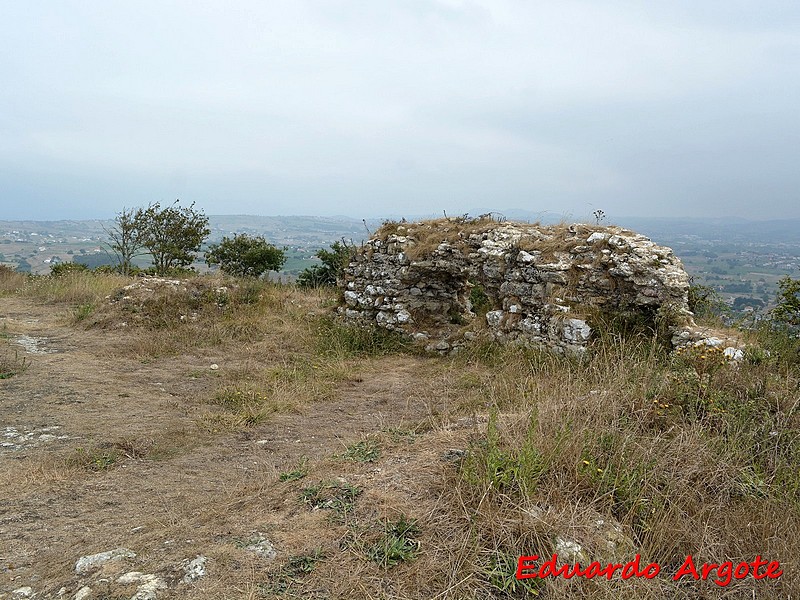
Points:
(101, 259)
(68, 268)
(172, 235)
(245, 256)
(125, 239)
(332, 268)
(787, 310)
(705, 302)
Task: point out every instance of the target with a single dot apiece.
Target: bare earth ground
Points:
(175, 490)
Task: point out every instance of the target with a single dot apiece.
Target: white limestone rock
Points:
(88, 563)
(494, 317)
(83, 594)
(569, 550)
(194, 569)
(576, 331)
(262, 547)
(148, 584)
(733, 354)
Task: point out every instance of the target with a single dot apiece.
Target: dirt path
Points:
(173, 492)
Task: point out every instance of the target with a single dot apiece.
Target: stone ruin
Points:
(448, 281)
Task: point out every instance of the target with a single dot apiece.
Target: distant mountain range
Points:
(311, 230)
(723, 229)
(727, 229)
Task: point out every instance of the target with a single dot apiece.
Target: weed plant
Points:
(397, 544)
(297, 473)
(337, 496)
(93, 459)
(363, 451)
(12, 361)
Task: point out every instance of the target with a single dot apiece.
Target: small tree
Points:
(125, 239)
(68, 268)
(333, 264)
(245, 256)
(787, 311)
(706, 303)
(172, 235)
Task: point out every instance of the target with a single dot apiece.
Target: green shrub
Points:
(780, 345)
(706, 303)
(334, 262)
(67, 268)
(479, 300)
(787, 310)
(245, 256)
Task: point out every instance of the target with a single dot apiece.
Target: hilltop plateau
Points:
(215, 438)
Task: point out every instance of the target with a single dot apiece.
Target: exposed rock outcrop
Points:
(453, 279)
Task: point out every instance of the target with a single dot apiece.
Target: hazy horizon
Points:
(367, 110)
(509, 215)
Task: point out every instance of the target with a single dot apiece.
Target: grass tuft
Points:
(397, 544)
(93, 458)
(338, 496)
(335, 339)
(297, 473)
(363, 451)
(12, 362)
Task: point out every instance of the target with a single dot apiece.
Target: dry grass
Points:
(46, 472)
(271, 316)
(428, 235)
(71, 288)
(685, 465)
(549, 240)
(493, 453)
(561, 237)
(10, 280)
(12, 360)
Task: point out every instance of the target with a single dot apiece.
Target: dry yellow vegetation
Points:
(232, 420)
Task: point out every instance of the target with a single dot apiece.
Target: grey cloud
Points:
(369, 108)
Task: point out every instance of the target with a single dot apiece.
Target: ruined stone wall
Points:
(449, 280)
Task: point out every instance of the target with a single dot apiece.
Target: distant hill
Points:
(724, 229)
(291, 230)
(738, 257)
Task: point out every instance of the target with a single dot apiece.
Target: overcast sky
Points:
(377, 107)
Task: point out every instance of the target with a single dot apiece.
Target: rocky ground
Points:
(111, 488)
